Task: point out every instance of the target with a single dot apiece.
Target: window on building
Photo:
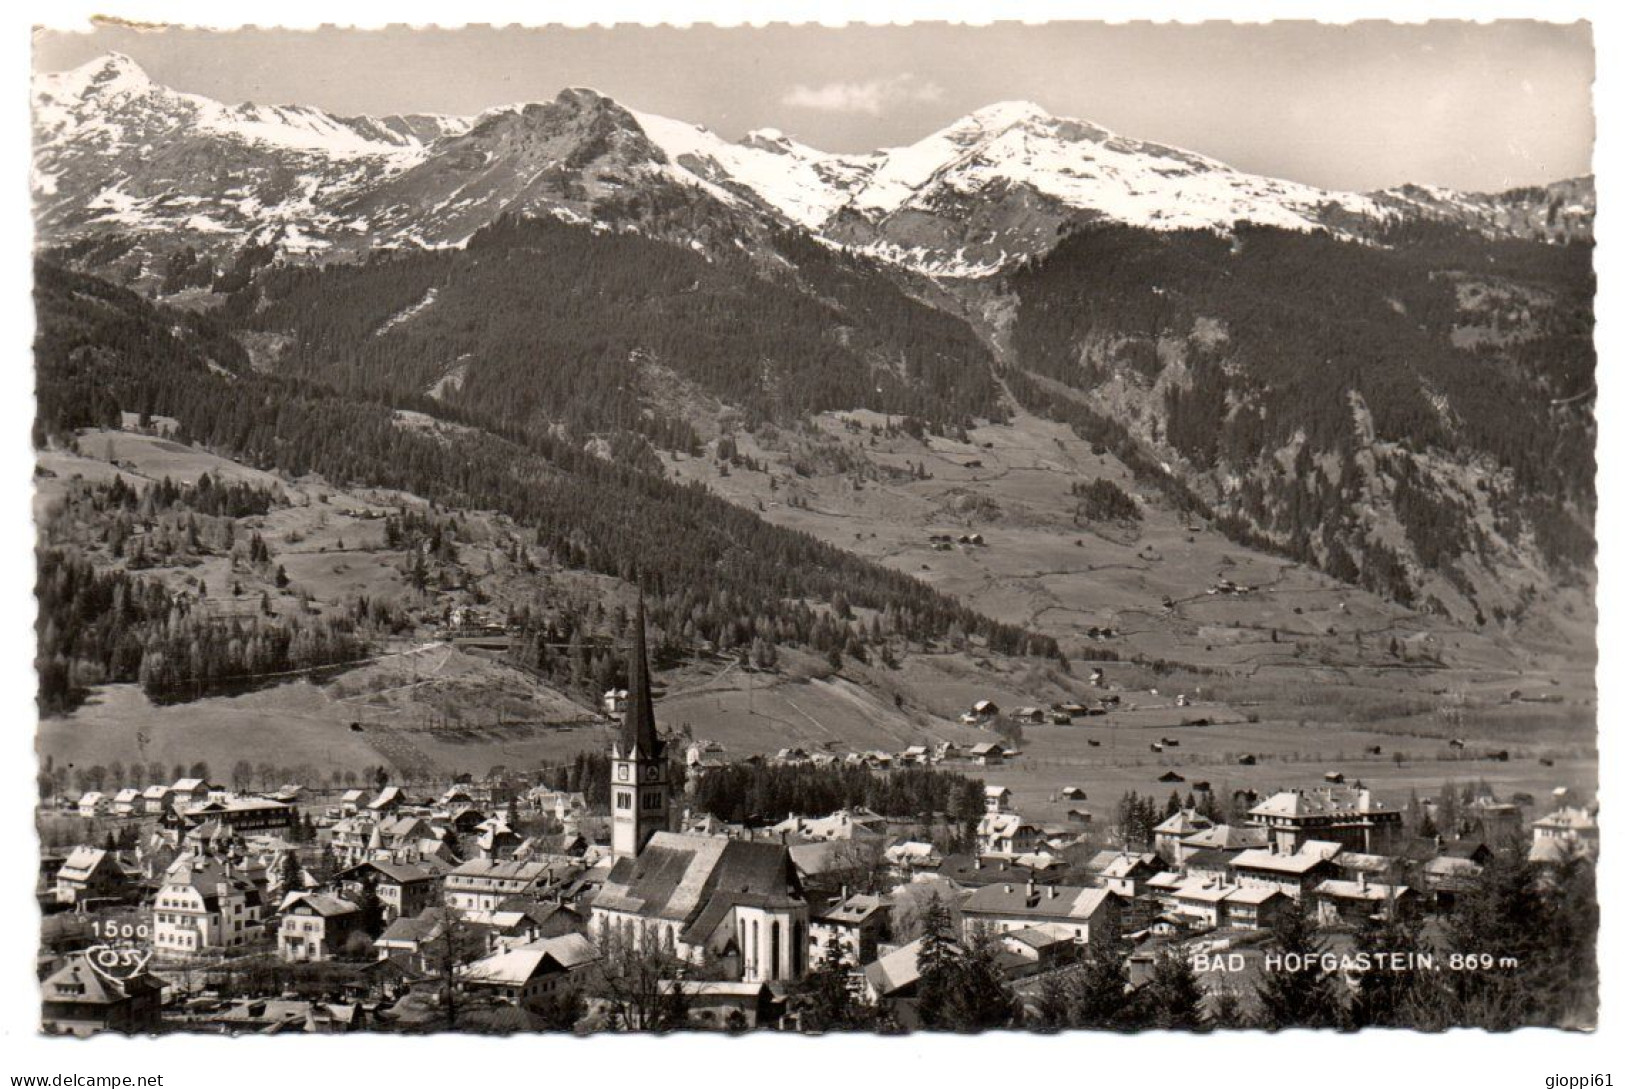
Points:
(623, 799)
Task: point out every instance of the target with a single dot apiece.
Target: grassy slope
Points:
(1318, 698)
(444, 710)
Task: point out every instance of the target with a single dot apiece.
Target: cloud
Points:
(872, 96)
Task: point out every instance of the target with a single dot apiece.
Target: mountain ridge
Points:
(118, 151)
(1390, 387)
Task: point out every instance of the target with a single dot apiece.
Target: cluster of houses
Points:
(192, 796)
(757, 908)
(422, 898)
(703, 755)
(983, 712)
(1333, 850)
(944, 542)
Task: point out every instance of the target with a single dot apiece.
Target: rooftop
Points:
(1327, 801)
(513, 967)
(1183, 823)
(494, 870)
(896, 970)
(1270, 862)
(1039, 901)
(857, 908)
(321, 903)
(1569, 818)
(1370, 891)
(77, 981)
(678, 876)
(1227, 837)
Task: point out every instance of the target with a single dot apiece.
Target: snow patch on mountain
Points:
(804, 184)
(85, 103)
(998, 186)
(409, 313)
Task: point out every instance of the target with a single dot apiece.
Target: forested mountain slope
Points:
(538, 323)
(711, 569)
(1415, 417)
(1395, 387)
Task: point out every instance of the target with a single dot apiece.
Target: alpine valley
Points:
(918, 423)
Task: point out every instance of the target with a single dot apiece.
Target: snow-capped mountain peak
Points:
(112, 99)
(117, 150)
(107, 76)
(1001, 115)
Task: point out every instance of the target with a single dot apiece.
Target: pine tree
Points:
(1172, 998)
(829, 998)
(936, 963)
(1301, 994)
(981, 998)
(1054, 1004)
(289, 874)
(1382, 995)
(1226, 1011)
(1098, 992)
(371, 908)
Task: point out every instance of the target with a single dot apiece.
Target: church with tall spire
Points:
(640, 786)
(734, 904)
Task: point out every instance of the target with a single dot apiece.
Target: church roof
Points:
(688, 879)
(638, 727)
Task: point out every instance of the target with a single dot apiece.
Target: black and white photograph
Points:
(1021, 528)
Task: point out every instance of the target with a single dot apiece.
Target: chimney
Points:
(978, 862)
(843, 894)
(1032, 886)
(1007, 889)
(1052, 892)
(1362, 880)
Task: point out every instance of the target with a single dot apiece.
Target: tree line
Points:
(101, 350)
(766, 793)
(98, 626)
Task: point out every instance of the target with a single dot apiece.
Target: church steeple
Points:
(641, 794)
(638, 727)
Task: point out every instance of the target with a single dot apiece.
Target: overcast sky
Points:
(1350, 107)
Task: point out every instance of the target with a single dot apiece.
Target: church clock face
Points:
(623, 771)
(651, 771)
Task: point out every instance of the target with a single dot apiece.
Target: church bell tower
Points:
(639, 787)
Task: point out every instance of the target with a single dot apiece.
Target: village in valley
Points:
(564, 568)
(602, 896)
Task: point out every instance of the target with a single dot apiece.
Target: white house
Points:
(206, 903)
